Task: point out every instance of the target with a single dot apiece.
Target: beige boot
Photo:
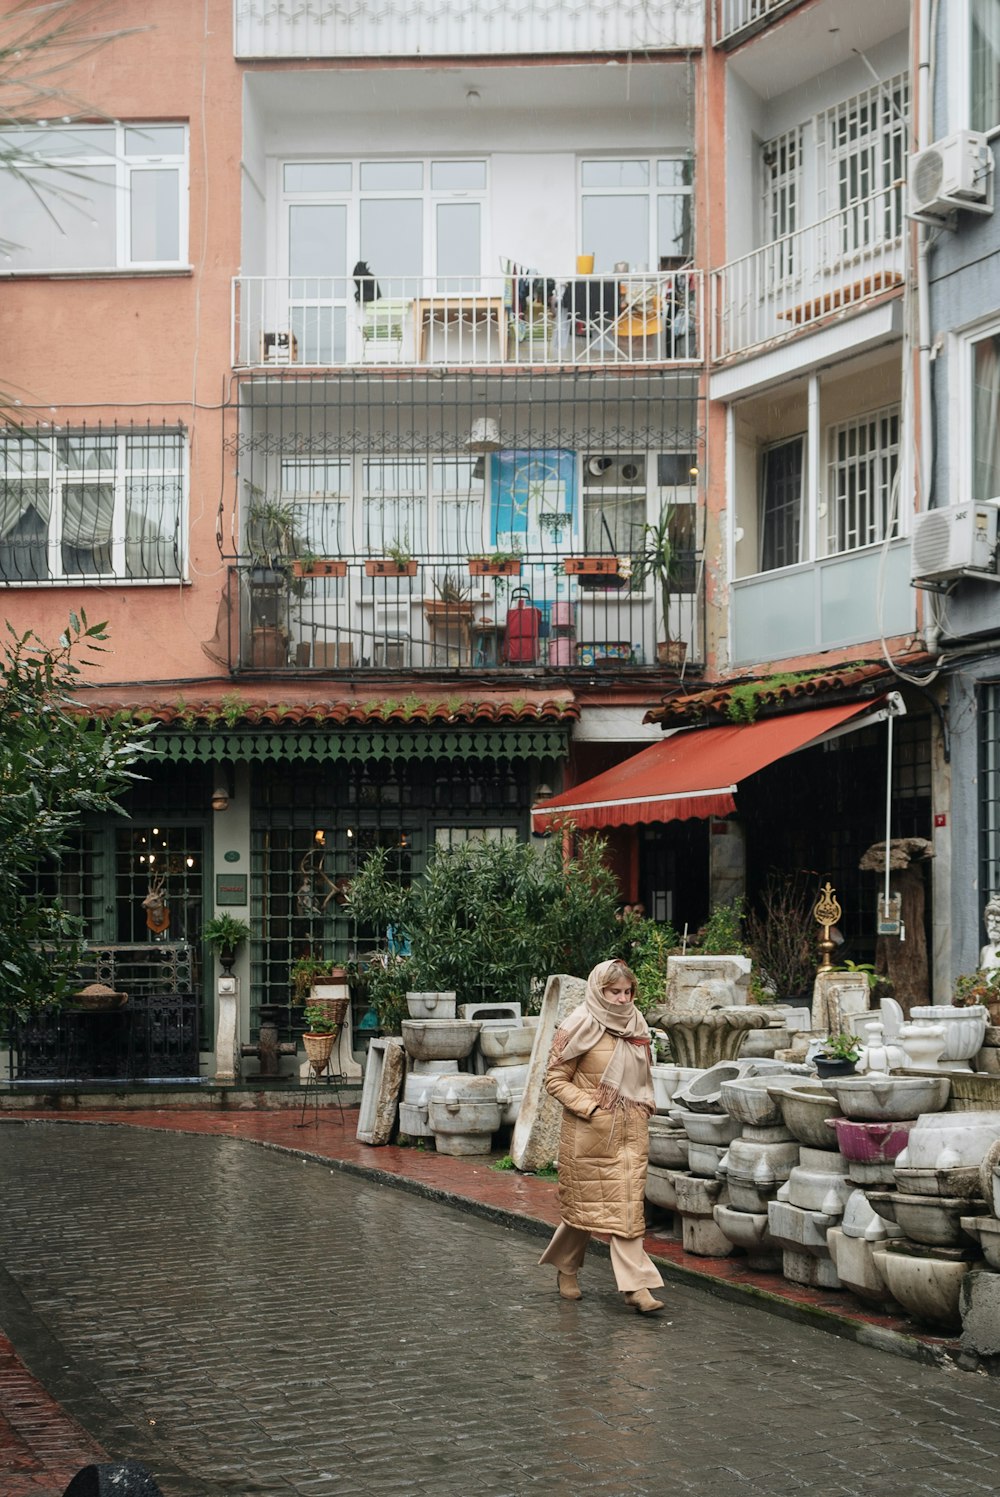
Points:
(642, 1301)
(568, 1286)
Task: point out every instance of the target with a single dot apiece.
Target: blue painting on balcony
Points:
(534, 500)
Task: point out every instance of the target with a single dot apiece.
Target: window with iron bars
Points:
(102, 504)
(863, 461)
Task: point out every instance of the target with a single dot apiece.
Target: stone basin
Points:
(854, 1260)
(986, 1231)
(928, 1181)
(749, 1231)
(860, 1219)
(928, 1288)
(660, 1189)
(950, 1140)
(431, 1005)
(964, 1028)
(506, 1044)
(749, 1100)
(703, 1093)
(666, 1080)
(875, 1098)
(668, 1145)
(933, 1221)
(763, 1165)
(871, 1142)
(818, 1183)
(704, 1159)
(464, 1113)
(439, 1039)
(713, 1036)
(805, 1107)
(707, 1127)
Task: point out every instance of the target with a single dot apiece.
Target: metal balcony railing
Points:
(555, 613)
(324, 322)
(837, 264)
(732, 17)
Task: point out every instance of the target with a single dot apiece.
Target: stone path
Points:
(247, 1322)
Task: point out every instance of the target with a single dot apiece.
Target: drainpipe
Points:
(927, 11)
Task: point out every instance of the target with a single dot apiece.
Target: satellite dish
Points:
(598, 465)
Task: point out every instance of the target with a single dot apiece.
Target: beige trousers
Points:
(632, 1266)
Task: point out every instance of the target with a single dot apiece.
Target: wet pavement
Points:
(245, 1321)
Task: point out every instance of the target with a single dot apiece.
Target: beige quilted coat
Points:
(602, 1155)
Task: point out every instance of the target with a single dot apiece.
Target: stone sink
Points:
(506, 1044)
(871, 1142)
(964, 1029)
(749, 1100)
(749, 1231)
(439, 1039)
(928, 1287)
(707, 1127)
(986, 1231)
(880, 1098)
(668, 1145)
(805, 1107)
(933, 1221)
(950, 1140)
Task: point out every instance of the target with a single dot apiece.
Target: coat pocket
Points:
(598, 1136)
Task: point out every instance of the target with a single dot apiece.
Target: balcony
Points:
(735, 20)
(835, 266)
(466, 28)
(502, 322)
(543, 613)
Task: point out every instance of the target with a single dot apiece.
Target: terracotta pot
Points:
(671, 652)
(384, 566)
(326, 568)
(479, 567)
(591, 566)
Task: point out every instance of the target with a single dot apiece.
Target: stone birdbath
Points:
(702, 1040)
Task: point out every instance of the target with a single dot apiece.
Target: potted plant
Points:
(978, 988)
(319, 1036)
(606, 568)
(496, 564)
(318, 980)
(398, 561)
(838, 1056)
(451, 607)
(225, 933)
(656, 560)
(319, 566)
(270, 545)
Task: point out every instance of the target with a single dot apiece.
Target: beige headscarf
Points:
(627, 1080)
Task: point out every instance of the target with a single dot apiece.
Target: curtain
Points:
(986, 419)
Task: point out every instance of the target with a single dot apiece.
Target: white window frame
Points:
(886, 144)
(858, 462)
(125, 167)
(59, 476)
(962, 406)
(959, 29)
(653, 191)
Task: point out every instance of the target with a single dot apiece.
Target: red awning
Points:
(693, 773)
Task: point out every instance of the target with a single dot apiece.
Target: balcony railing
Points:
(324, 322)
(837, 264)
(271, 28)
(735, 16)
(554, 613)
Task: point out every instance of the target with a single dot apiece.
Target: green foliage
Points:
(489, 920)
(873, 978)
(744, 700)
(782, 938)
(722, 933)
(233, 707)
(225, 930)
(56, 767)
(842, 1046)
(657, 559)
(307, 970)
(506, 1163)
(383, 983)
(976, 987)
(318, 1020)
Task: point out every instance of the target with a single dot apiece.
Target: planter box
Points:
(384, 566)
(481, 567)
(671, 652)
(591, 566)
(326, 568)
(447, 615)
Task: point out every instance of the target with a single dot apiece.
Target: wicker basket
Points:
(333, 1008)
(319, 1048)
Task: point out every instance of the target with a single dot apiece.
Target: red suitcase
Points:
(520, 644)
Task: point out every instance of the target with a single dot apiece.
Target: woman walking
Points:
(600, 1068)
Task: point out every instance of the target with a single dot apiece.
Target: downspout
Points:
(927, 14)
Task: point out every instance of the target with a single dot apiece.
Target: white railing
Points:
(324, 322)
(734, 16)
(316, 28)
(836, 264)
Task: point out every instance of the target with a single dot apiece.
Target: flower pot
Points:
(384, 566)
(480, 566)
(319, 1048)
(329, 567)
(591, 566)
(826, 1067)
(671, 652)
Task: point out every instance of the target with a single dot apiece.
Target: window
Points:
(614, 504)
(984, 64)
(862, 143)
(394, 505)
(863, 460)
(637, 212)
(986, 418)
(106, 505)
(781, 505)
(781, 160)
(96, 197)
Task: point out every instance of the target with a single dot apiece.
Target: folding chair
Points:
(383, 323)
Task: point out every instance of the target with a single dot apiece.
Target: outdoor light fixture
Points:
(484, 436)
(222, 790)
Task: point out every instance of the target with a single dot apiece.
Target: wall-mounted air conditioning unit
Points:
(956, 172)
(948, 543)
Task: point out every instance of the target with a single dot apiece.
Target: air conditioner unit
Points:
(278, 348)
(952, 541)
(956, 172)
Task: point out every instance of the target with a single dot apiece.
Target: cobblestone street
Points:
(247, 1322)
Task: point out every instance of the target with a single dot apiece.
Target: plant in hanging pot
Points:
(839, 1055)
(398, 561)
(321, 983)
(451, 607)
(319, 1037)
(496, 564)
(657, 560)
(225, 934)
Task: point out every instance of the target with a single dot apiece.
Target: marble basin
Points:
(964, 1028)
(934, 1182)
(439, 1039)
(707, 1127)
(928, 1288)
(510, 1082)
(506, 1044)
(431, 1005)
(949, 1140)
(716, 1035)
(749, 1231)
(704, 1159)
(666, 1080)
(870, 1142)
(464, 1112)
(805, 1107)
(750, 1102)
(746, 1195)
(854, 1260)
(933, 1221)
(818, 1183)
(668, 1146)
(764, 1165)
(875, 1098)
(660, 1189)
(703, 1093)
(860, 1219)
(986, 1231)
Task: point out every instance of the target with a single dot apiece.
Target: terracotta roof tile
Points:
(709, 703)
